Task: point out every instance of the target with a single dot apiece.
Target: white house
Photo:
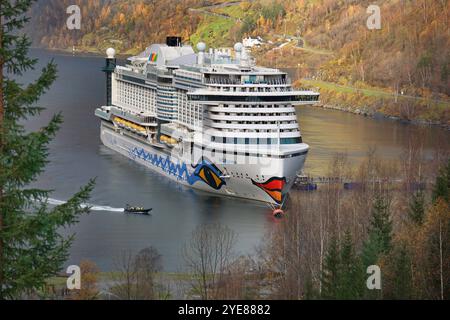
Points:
(252, 42)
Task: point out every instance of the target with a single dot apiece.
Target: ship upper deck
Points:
(164, 59)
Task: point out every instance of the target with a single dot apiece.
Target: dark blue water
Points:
(78, 155)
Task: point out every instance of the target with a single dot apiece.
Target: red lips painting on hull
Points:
(273, 187)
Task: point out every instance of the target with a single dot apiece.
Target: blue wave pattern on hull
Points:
(205, 171)
(179, 171)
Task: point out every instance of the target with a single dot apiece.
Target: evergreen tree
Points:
(341, 275)
(31, 249)
(330, 271)
(371, 250)
(381, 225)
(441, 187)
(402, 279)
(350, 282)
(379, 238)
(417, 208)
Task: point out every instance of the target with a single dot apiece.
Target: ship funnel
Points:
(201, 47)
(173, 41)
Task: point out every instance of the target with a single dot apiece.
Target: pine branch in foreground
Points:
(31, 248)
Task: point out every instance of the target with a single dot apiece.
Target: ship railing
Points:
(141, 119)
(222, 81)
(231, 82)
(164, 73)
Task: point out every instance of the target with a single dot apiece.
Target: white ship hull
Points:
(269, 182)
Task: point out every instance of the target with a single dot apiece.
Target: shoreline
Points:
(382, 116)
(78, 53)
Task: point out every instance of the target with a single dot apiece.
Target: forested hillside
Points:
(402, 70)
(411, 49)
(126, 25)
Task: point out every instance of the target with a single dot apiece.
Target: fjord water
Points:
(76, 155)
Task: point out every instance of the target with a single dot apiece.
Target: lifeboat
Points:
(168, 140)
(130, 125)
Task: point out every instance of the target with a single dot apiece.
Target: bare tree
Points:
(124, 277)
(146, 264)
(135, 278)
(240, 282)
(208, 255)
(289, 256)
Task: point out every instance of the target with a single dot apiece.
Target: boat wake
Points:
(56, 202)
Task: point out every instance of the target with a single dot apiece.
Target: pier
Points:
(309, 183)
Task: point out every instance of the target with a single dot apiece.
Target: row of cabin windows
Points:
(311, 98)
(253, 89)
(253, 122)
(234, 130)
(257, 141)
(253, 114)
(224, 154)
(254, 106)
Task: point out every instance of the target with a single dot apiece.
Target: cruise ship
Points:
(209, 119)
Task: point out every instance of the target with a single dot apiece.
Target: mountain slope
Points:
(126, 25)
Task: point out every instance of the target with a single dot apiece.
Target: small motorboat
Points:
(137, 210)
